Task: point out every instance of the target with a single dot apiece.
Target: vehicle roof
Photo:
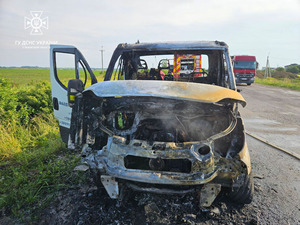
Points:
(165, 46)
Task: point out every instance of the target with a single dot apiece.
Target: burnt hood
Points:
(165, 89)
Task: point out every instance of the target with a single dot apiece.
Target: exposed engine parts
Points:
(183, 143)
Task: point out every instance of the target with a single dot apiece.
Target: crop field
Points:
(20, 76)
(24, 76)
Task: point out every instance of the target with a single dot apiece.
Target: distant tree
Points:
(279, 69)
(293, 69)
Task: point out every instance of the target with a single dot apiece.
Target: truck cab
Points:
(244, 68)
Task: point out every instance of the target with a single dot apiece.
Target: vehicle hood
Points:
(165, 89)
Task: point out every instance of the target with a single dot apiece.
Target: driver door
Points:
(66, 63)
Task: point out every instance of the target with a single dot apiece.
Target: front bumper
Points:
(248, 80)
(203, 171)
(203, 166)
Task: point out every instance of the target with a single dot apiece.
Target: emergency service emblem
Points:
(36, 23)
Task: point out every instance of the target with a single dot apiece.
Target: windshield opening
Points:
(207, 66)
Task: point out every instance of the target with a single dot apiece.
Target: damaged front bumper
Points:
(190, 164)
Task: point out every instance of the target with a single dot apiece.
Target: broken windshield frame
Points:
(129, 64)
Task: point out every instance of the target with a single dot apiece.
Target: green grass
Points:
(30, 178)
(34, 162)
(293, 84)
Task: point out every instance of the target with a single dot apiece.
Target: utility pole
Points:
(267, 69)
(102, 50)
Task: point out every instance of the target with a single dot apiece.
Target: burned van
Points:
(147, 128)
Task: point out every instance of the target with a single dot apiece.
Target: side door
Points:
(66, 63)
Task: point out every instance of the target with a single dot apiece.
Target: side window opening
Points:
(225, 74)
(127, 67)
(65, 70)
(216, 68)
(118, 72)
(83, 74)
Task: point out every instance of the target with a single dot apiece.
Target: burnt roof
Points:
(169, 46)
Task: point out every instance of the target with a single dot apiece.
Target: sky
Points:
(249, 27)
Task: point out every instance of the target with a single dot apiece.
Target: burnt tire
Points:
(243, 194)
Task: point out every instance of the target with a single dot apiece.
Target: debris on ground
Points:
(258, 176)
(81, 168)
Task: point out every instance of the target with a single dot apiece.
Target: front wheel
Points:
(244, 193)
(249, 84)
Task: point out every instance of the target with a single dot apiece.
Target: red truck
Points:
(244, 68)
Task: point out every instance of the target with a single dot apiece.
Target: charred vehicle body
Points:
(147, 130)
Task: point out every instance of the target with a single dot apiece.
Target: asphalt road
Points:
(274, 114)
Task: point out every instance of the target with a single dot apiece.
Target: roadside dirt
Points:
(90, 206)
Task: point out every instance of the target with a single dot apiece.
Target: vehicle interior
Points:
(210, 69)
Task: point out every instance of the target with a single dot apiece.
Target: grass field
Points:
(20, 76)
(293, 84)
(24, 76)
(279, 79)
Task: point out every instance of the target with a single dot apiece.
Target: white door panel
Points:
(62, 110)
